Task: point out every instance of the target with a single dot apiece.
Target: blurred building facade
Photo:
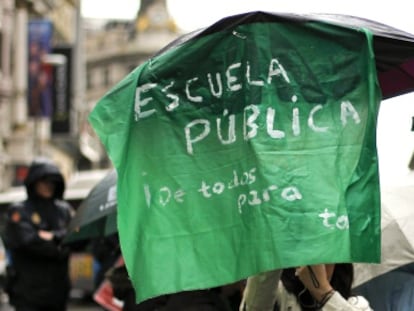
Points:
(83, 59)
(113, 49)
(38, 26)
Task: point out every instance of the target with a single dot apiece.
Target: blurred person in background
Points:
(38, 272)
(105, 251)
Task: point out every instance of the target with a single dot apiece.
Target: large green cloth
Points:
(245, 150)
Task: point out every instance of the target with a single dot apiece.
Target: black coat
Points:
(40, 266)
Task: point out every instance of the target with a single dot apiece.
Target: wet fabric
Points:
(244, 149)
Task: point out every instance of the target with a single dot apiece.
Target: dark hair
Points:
(341, 281)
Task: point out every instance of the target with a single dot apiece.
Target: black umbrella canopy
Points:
(96, 215)
(394, 53)
(393, 48)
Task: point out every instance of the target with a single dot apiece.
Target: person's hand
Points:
(315, 279)
(45, 235)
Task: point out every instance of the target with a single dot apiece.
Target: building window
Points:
(106, 77)
(1, 51)
(88, 81)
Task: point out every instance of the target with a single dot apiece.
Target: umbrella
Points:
(394, 53)
(378, 282)
(393, 48)
(391, 291)
(96, 215)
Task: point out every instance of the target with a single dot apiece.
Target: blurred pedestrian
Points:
(105, 251)
(38, 274)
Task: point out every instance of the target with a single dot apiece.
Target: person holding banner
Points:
(317, 287)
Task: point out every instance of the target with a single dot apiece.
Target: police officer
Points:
(39, 274)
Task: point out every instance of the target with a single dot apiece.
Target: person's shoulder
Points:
(16, 211)
(65, 207)
(63, 204)
(17, 206)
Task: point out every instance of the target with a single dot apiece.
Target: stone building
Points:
(115, 48)
(86, 59)
(24, 136)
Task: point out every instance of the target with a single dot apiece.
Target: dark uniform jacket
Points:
(41, 267)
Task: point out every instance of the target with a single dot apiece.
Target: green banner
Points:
(245, 150)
